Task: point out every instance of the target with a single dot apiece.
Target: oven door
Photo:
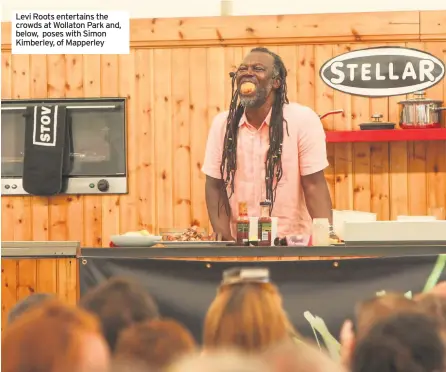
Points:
(98, 143)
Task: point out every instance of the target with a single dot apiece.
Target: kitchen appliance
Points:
(420, 112)
(96, 159)
(395, 232)
(415, 218)
(341, 217)
(377, 124)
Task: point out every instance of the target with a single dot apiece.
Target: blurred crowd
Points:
(117, 327)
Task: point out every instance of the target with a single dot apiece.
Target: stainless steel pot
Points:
(420, 112)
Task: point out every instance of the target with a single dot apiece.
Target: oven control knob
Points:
(103, 185)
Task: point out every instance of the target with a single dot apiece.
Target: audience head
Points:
(54, 337)
(247, 313)
(119, 303)
(27, 304)
(403, 342)
(435, 306)
(439, 289)
(370, 311)
(156, 343)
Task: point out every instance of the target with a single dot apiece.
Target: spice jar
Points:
(265, 224)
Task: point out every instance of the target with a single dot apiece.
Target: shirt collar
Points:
(244, 120)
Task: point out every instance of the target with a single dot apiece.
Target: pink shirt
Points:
(304, 152)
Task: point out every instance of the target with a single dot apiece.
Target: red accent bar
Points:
(389, 135)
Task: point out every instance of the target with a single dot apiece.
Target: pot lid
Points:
(419, 97)
(376, 120)
(377, 124)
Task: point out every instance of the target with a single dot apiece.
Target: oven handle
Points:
(68, 107)
(91, 107)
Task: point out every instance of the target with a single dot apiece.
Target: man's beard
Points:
(259, 99)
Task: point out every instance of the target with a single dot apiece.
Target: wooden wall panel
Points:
(92, 208)
(173, 94)
(22, 277)
(198, 120)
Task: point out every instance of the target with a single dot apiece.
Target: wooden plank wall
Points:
(176, 80)
(21, 277)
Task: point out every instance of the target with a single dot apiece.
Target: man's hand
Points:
(333, 236)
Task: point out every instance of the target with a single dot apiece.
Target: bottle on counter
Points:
(265, 223)
(242, 224)
(321, 232)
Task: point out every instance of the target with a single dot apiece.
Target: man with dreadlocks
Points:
(266, 148)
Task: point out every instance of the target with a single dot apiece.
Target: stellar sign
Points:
(382, 71)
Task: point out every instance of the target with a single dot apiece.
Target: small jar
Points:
(321, 232)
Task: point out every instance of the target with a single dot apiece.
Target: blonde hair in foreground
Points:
(248, 316)
(48, 338)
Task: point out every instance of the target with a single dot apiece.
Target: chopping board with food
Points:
(191, 236)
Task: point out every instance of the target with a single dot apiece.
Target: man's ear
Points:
(277, 83)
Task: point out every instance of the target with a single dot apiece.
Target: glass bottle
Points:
(265, 224)
(242, 224)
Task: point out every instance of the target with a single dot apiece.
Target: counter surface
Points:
(331, 251)
(39, 249)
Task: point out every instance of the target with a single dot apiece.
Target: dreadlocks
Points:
(273, 163)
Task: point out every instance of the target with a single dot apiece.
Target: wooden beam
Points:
(280, 29)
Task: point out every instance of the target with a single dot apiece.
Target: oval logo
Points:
(382, 71)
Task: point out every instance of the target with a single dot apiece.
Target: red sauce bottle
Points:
(242, 224)
(265, 224)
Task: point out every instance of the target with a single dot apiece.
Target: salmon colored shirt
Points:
(304, 152)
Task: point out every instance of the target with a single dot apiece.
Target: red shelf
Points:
(437, 134)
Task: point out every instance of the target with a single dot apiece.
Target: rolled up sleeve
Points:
(312, 145)
(214, 147)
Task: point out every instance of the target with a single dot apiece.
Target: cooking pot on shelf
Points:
(420, 112)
